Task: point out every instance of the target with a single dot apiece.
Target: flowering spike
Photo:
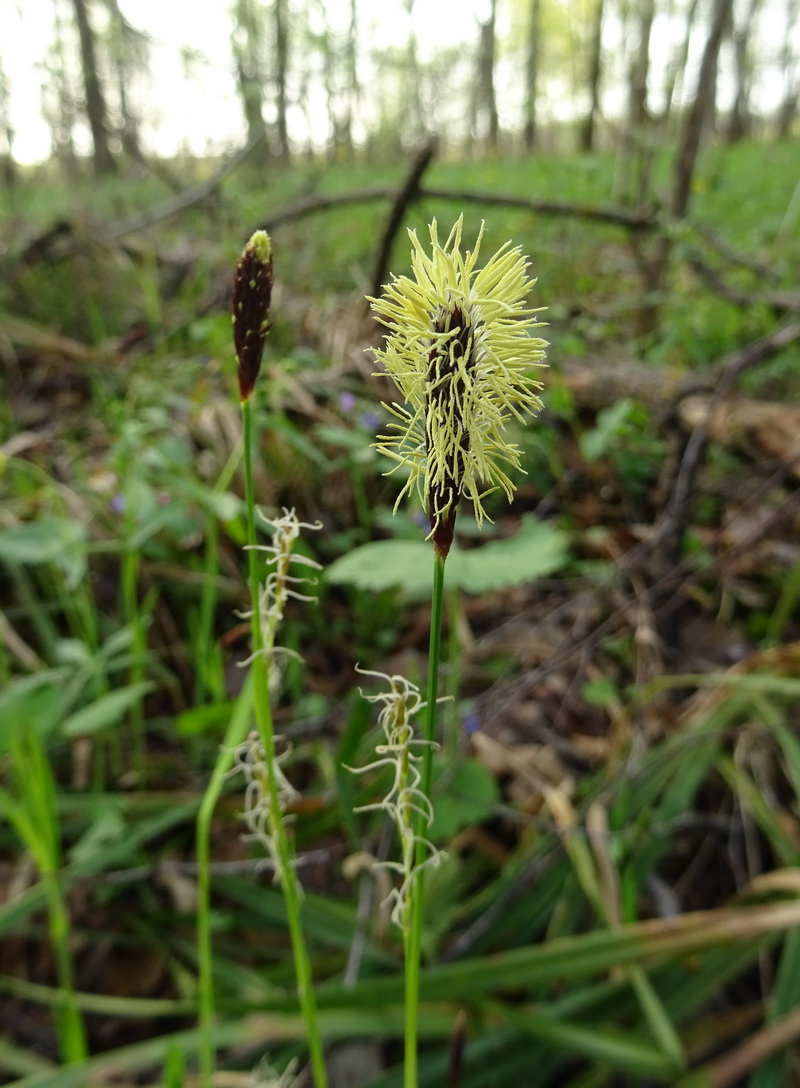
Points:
(460, 352)
(405, 800)
(252, 761)
(252, 294)
(281, 584)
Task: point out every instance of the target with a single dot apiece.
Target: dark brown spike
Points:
(445, 390)
(252, 294)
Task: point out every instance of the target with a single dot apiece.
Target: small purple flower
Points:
(164, 498)
(472, 723)
(370, 421)
(117, 503)
(347, 402)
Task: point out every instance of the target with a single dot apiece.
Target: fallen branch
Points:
(716, 414)
(187, 199)
(407, 194)
(631, 221)
(779, 303)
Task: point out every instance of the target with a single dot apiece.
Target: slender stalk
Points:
(70, 1026)
(288, 873)
(234, 736)
(412, 938)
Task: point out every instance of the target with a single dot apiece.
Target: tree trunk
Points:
(791, 78)
(327, 47)
(251, 93)
(281, 76)
(787, 113)
(586, 138)
(248, 47)
(701, 110)
(60, 113)
(638, 113)
(416, 122)
(129, 57)
(677, 66)
(353, 87)
(486, 93)
(532, 75)
(739, 123)
(96, 111)
(7, 164)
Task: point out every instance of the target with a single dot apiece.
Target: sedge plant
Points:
(460, 351)
(266, 789)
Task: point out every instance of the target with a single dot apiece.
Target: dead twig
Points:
(407, 194)
(779, 303)
(636, 222)
(672, 528)
(189, 197)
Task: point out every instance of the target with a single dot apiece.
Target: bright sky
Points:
(203, 109)
(200, 110)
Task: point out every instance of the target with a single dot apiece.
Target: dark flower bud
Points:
(252, 294)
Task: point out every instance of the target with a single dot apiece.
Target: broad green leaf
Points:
(225, 505)
(469, 792)
(30, 703)
(107, 828)
(538, 549)
(106, 711)
(49, 540)
(198, 719)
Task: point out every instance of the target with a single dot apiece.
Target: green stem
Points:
(287, 870)
(70, 1026)
(234, 736)
(412, 938)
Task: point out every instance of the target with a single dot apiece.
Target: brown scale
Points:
(446, 391)
(252, 294)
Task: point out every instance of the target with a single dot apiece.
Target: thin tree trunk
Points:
(791, 80)
(251, 93)
(416, 123)
(281, 76)
(638, 113)
(787, 113)
(248, 47)
(486, 78)
(129, 57)
(8, 165)
(353, 87)
(530, 133)
(739, 123)
(586, 139)
(701, 110)
(677, 66)
(96, 111)
(634, 169)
